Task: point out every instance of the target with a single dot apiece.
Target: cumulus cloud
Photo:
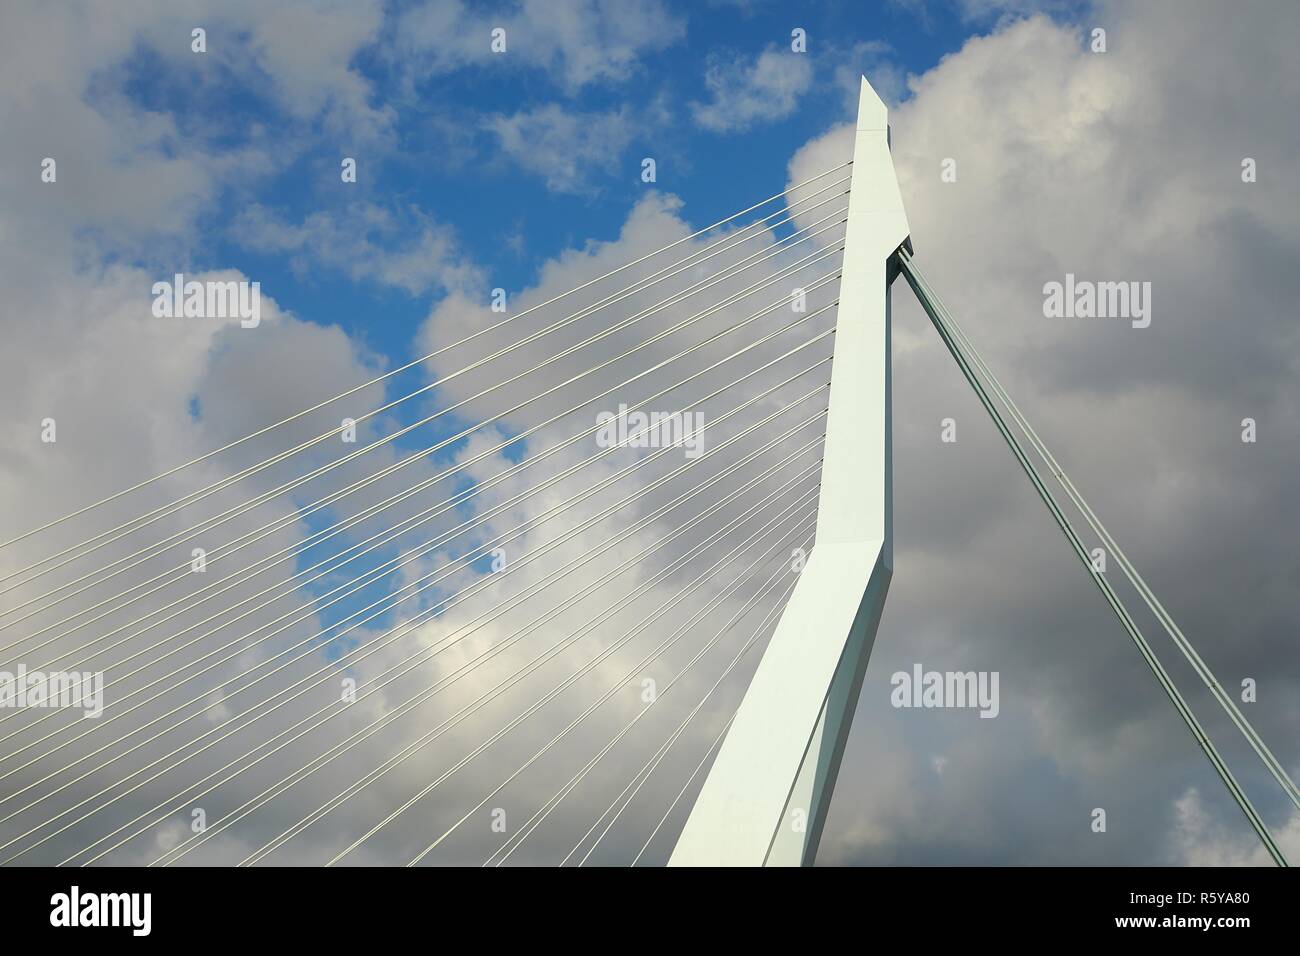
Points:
(130, 177)
(1113, 166)
(191, 385)
(1201, 839)
(404, 248)
(747, 92)
(565, 148)
(1123, 165)
(132, 394)
(577, 43)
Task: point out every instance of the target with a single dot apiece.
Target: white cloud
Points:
(565, 148)
(1126, 166)
(81, 331)
(1122, 162)
(578, 43)
(133, 394)
(1200, 839)
(745, 92)
(132, 176)
(404, 248)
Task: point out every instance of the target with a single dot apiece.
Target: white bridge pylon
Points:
(765, 799)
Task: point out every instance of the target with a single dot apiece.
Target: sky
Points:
(522, 171)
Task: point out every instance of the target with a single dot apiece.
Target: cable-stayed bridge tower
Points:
(765, 799)
(638, 563)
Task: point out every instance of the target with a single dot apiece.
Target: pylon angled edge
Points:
(765, 798)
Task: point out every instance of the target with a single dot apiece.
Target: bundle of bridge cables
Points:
(1000, 406)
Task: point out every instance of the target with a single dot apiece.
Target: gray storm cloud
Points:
(1122, 166)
